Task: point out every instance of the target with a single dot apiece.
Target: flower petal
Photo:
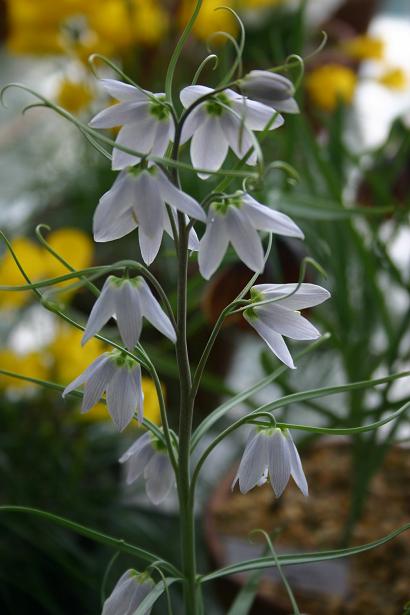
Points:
(287, 322)
(123, 599)
(265, 219)
(139, 136)
(279, 462)
(296, 466)
(178, 199)
(159, 475)
(123, 91)
(117, 115)
(209, 146)
(307, 295)
(103, 309)
(245, 239)
(128, 311)
(136, 465)
(238, 136)
(153, 312)
(113, 217)
(97, 384)
(253, 463)
(149, 206)
(85, 374)
(163, 134)
(139, 443)
(122, 397)
(192, 123)
(150, 246)
(213, 245)
(191, 94)
(256, 115)
(274, 341)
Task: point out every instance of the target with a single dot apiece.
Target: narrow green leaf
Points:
(116, 543)
(302, 558)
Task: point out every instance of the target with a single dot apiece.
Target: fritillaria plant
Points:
(148, 196)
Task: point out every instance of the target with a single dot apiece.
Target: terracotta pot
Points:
(375, 582)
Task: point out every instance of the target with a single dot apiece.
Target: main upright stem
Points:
(187, 521)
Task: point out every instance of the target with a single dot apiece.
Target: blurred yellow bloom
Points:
(364, 48)
(259, 4)
(104, 26)
(209, 19)
(329, 84)
(31, 364)
(73, 245)
(32, 259)
(74, 95)
(69, 357)
(394, 78)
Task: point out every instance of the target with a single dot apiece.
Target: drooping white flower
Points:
(270, 453)
(237, 219)
(131, 589)
(138, 198)
(130, 300)
(147, 124)
(282, 316)
(149, 457)
(225, 120)
(271, 89)
(117, 375)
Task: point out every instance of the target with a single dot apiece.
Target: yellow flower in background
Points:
(69, 357)
(394, 78)
(329, 84)
(210, 20)
(31, 364)
(84, 27)
(74, 96)
(259, 4)
(74, 245)
(32, 259)
(364, 48)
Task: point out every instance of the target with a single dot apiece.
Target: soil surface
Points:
(372, 583)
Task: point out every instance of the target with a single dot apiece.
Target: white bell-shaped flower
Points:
(148, 457)
(129, 300)
(236, 220)
(117, 375)
(271, 89)
(131, 589)
(147, 124)
(138, 198)
(225, 120)
(282, 317)
(270, 453)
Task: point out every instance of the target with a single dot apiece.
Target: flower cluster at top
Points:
(146, 198)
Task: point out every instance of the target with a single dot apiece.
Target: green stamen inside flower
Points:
(217, 105)
(158, 109)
